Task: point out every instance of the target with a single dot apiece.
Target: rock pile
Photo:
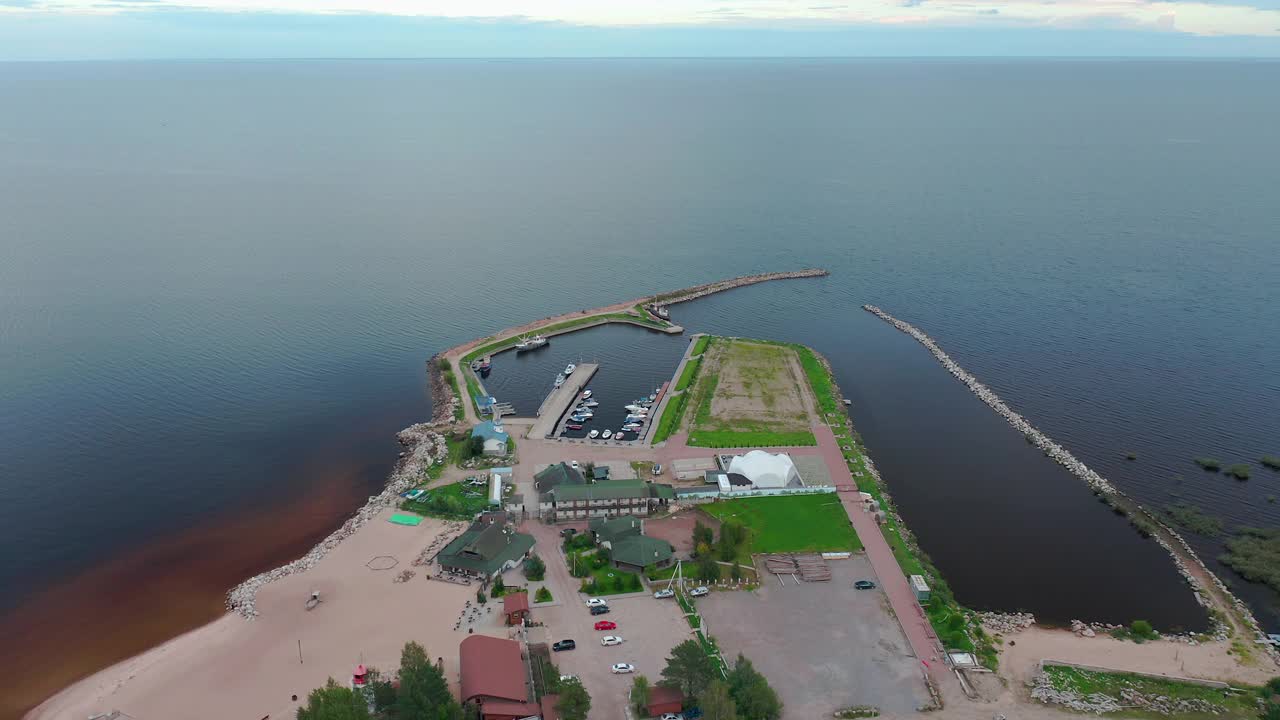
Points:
(1082, 629)
(425, 447)
(1042, 689)
(443, 401)
(1006, 623)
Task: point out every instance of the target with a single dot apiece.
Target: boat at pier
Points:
(589, 403)
(530, 343)
(606, 434)
(568, 369)
(593, 434)
(559, 380)
(635, 408)
(586, 394)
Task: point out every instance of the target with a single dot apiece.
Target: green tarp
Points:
(402, 519)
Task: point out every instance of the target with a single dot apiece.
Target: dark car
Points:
(568, 532)
(865, 585)
(599, 609)
(692, 713)
(564, 645)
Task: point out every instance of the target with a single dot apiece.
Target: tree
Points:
(384, 693)
(535, 568)
(689, 668)
(499, 587)
(702, 535)
(708, 568)
(733, 532)
(574, 702)
(751, 693)
(480, 598)
(716, 704)
(476, 446)
(424, 693)
(640, 695)
(736, 571)
(334, 702)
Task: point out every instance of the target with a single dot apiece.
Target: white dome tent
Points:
(766, 470)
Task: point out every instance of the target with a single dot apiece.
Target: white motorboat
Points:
(559, 380)
(586, 394)
(653, 396)
(606, 434)
(631, 427)
(530, 343)
(589, 403)
(635, 408)
(594, 434)
(583, 414)
(568, 369)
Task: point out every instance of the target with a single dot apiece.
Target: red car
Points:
(606, 625)
(572, 427)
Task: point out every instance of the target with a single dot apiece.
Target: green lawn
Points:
(701, 345)
(1231, 705)
(689, 372)
(792, 523)
(451, 501)
(735, 439)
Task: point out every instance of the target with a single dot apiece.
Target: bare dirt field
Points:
(677, 529)
(823, 646)
(753, 387)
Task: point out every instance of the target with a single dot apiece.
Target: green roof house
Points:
(556, 475)
(485, 550)
(609, 498)
(629, 547)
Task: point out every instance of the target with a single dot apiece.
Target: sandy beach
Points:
(235, 667)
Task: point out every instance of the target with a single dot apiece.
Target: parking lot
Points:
(823, 646)
(649, 628)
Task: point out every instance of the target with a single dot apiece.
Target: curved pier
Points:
(1188, 562)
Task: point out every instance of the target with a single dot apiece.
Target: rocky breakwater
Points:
(1183, 556)
(444, 401)
(1006, 623)
(693, 293)
(424, 446)
(1128, 699)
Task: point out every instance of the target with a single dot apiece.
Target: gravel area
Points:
(823, 646)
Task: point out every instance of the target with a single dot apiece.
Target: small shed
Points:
(600, 472)
(663, 699)
(920, 588)
(516, 607)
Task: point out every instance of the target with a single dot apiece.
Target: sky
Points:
(162, 29)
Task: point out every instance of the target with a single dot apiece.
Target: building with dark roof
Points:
(494, 677)
(485, 550)
(628, 546)
(557, 475)
(603, 499)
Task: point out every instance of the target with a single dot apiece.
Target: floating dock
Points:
(560, 400)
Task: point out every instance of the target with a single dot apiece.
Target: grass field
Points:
(792, 523)
(748, 397)
(456, 501)
(750, 439)
(1229, 705)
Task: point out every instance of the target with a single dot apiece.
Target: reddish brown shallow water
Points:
(141, 599)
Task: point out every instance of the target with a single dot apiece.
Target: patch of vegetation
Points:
(1270, 461)
(1239, 471)
(1209, 464)
(1131, 456)
(1254, 553)
(791, 523)
(543, 595)
(456, 501)
(1138, 631)
(858, 711)
(731, 439)
(687, 375)
(1086, 682)
(534, 568)
(1144, 528)
(499, 588)
(1189, 517)
(446, 371)
(612, 581)
(671, 416)
(700, 346)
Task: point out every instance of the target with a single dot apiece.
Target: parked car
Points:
(608, 640)
(596, 602)
(606, 625)
(657, 470)
(574, 464)
(600, 610)
(664, 594)
(699, 591)
(569, 678)
(865, 585)
(669, 716)
(568, 532)
(621, 668)
(564, 645)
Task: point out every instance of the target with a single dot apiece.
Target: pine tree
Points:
(424, 693)
(716, 704)
(334, 702)
(574, 702)
(689, 668)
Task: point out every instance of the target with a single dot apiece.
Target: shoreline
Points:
(1210, 592)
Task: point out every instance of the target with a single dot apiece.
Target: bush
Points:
(542, 596)
(534, 568)
(1142, 629)
(1209, 464)
(498, 587)
(480, 598)
(1192, 518)
(1239, 471)
(1144, 528)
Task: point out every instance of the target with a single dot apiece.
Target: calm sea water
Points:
(221, 281)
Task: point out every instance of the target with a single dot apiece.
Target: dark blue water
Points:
(633, 362)
(220, 281)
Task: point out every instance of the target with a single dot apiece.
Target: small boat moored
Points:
(589, 403)
(568, 369)
(586, 394)
(606, 434)
(593, 434)
(559, 380)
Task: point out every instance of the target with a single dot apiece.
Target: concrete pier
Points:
(560, 400)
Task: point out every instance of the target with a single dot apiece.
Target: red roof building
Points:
(493, 675)
(516, 607)
(663, 699)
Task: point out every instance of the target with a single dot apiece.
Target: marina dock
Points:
(560, 400)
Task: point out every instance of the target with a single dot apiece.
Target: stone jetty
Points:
(1177, 546)
(693, 293)
(424, 447)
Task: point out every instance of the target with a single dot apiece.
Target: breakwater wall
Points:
(1188, 562)
(424, 447)
(443, 400)
(693, 293)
